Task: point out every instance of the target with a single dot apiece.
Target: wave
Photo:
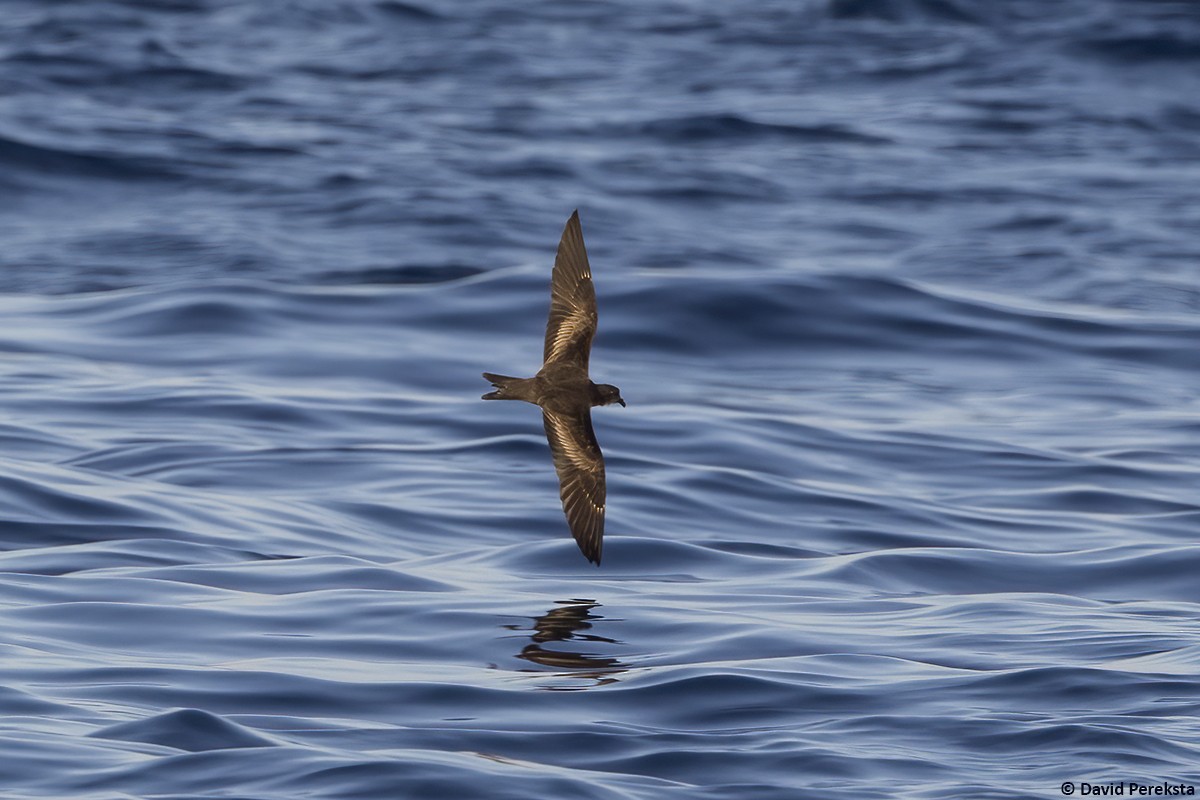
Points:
(1144, 49)
(39, 159)
(952, 11)
(904, 495)
(735, 127)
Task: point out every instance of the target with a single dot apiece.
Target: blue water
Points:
(904, 296)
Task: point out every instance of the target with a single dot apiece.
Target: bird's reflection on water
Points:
(569, 621)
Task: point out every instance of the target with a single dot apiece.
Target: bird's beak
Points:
(621, 401)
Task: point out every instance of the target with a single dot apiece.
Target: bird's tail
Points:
(507, 388)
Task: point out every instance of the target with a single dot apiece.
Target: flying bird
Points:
(566, 394)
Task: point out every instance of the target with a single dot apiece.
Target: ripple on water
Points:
(903, 504)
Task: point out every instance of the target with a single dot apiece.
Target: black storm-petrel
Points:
(566, 394)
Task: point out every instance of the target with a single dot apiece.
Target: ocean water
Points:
(904, 296)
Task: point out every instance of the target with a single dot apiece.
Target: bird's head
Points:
(606, 394)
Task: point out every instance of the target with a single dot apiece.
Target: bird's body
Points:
(566, 394)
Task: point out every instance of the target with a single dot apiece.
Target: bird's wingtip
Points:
(590, 551)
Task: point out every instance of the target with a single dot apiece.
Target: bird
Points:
(566, 394)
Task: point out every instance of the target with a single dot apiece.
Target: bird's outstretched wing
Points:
(572, 322)
(580, 467)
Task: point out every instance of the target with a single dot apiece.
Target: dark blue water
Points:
(904, 296)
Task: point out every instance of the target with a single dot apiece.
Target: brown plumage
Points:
(566, 394)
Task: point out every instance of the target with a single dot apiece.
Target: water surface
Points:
(903, 297)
